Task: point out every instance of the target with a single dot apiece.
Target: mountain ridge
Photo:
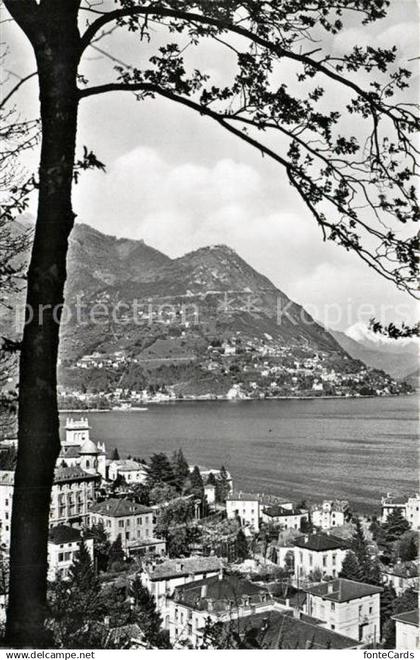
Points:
(199, 324)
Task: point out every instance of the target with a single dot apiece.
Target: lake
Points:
(356, 449)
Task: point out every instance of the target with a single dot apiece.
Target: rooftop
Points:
(320, 542)
(411, 617)
(117, 508)
(274, 629)
(73, 473)
(89, 447)
(128, 465)
(181, 567)
(63, 534)
(262, 498)
(243, 497)
(69, 451)
(219, 592)
(277, 511)
(341, 590)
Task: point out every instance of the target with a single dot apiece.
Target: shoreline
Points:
(224, 398)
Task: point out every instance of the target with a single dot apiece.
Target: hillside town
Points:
(236, 367)
(160, 554)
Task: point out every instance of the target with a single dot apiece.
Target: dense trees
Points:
(77, 605)
(242, 549)
(115, 456)
(359, 188)
(180, 469)
(350, 568)
(404, 603)
(159, 470)
(145, 614)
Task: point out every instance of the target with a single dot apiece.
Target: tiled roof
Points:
(116, 508)
(74, 473)
(274, 629)
(262, 498)
(342, 590)
(71, 451)
(183, 567)
(219, 592)
(128, 465)
(89, 447)
(320, 542)
(243, 497)
(277, 511)
(63, 534)
(411, 617)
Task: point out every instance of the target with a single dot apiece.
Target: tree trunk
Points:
(55, 38)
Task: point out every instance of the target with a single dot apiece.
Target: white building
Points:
(218, 598)
(409, 507)
(407, 630)
(401, 576)
(7, 478)
(347, 607)
(72, 494)
(63, 546)
(77, 448)
(321, 553)
(330, 514)
(247, 507)
(210, 494)
(284, 517)
(131, 471)
(244, 507)
(132, 521)
(161, 579)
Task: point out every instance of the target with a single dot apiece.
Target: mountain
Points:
(397, 364)
(201, 324)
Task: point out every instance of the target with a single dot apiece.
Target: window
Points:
(310, 560)
(370, 609)
(127, 535)
(332, 626)
(324, 561)
(121, 523)
(67, 556)
(334, 558)
(332, 607)
(60, 556)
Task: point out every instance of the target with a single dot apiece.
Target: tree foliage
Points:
(180, 469)
(145, 614)
(350, 568)
(77, 605)
(242, 549)
(406, 602)
(358, 184)
(159, 470)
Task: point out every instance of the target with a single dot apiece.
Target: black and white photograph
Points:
(209, 336)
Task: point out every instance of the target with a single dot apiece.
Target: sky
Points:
(179, 182)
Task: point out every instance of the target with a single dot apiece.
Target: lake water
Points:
(357, 449)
